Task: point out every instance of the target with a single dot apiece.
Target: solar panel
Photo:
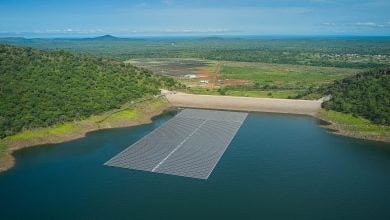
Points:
(190, 144)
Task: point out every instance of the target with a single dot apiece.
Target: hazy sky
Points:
(194, 17)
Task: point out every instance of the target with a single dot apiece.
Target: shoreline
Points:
(340, 129)
(7, 160)
(283, 106)
(175, 100)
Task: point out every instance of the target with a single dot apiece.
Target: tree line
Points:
(365, 94)
(330, 52)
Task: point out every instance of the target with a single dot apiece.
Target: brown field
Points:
(203, 73)
(174, 67)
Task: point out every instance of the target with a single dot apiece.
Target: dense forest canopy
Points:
(365, 94)
(39, 89)
(352, 52)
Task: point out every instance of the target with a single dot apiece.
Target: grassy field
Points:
(283, 76)
(2, 147)
(122, 115)
(279, 94)
(44, 132)
(156, 104)
(244, 92)
(356, 124)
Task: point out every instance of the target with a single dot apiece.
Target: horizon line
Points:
(127, 36)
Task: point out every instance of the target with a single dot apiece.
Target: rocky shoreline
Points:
(339, 129)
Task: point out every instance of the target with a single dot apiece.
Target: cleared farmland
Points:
(248, 79)
(283, 75)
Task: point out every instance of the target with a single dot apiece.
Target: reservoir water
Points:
(277, 167)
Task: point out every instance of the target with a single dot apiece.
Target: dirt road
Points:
(214, 77)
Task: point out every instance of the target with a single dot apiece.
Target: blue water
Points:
(277, 167)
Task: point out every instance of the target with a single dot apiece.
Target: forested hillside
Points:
(39, 89)
(365, 94)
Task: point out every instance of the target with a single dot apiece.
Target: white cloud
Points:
(216, 30)
(371, 24)
(69, 31)
(328, 24)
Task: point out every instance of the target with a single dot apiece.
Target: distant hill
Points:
(365, 94)
(106, 38)
(39, 89)
(11, 40)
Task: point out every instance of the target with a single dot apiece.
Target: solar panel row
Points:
(190, 144)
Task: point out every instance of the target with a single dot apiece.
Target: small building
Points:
(190, 76)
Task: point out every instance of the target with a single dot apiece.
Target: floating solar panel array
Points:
(190, 144)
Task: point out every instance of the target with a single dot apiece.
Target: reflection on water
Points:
(277, 167)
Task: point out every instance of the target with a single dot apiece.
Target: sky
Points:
(44, 18)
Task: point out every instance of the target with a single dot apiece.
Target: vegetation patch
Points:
(57, 130)
(279, 94)
(157, 104)
(355, 124)
(283, 76)
(365, 94)
(122, 115)
(2, 147)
